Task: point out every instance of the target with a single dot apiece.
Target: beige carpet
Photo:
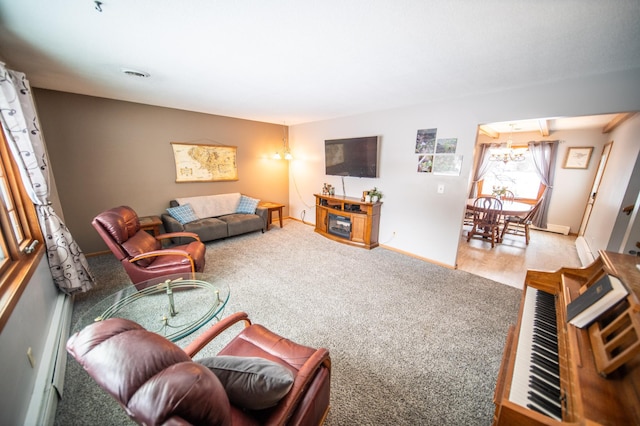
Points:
(411, 343)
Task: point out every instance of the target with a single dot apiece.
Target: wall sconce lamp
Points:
(285, 148)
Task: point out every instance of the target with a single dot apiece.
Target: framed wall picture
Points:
(425, 163)
(447, 164)
(426, 141)
(578, 157)
(204, 163)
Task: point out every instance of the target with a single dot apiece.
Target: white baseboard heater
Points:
(558, 229)
(584, 252)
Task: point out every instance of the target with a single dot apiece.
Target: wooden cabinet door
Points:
(321, 219)
(359, 228)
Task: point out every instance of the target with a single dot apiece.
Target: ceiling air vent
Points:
(135, 73)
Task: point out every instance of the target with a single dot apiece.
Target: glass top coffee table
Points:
(173, 306)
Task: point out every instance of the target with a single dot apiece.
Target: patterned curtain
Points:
(543, 154)
(68, 265)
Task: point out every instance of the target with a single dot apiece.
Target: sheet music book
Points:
(599, 297)
(589, 297)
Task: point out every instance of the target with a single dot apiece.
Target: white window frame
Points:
(532, 196)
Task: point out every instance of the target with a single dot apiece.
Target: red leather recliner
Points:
(141, 254)
(157, 383)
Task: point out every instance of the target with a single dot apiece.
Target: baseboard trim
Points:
(415, 256)
(406, 253)
(301, 221)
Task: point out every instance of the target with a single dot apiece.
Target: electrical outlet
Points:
(441, 188)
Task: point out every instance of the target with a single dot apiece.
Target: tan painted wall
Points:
(105, 153)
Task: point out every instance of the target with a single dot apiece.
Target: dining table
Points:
(509, 208)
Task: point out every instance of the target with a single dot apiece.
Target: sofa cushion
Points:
(183, 213)
(240, 223)
(208, 229)
(251, 382)
(247, 205)
(212, 205)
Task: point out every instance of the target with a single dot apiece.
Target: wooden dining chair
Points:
(508, 196)
(519, 225)
(468, 217)
(487, 214)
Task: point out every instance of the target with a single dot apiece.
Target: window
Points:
(519, 177)
(18, 229)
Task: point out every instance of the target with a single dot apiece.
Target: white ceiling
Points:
(297, 61)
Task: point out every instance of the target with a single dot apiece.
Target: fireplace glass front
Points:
(339, 225)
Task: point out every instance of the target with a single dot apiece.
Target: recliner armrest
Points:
(214, 331)
(178, 234)
(305, 375)
(165, 252)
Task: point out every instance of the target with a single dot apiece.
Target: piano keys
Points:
(553, 373)
(537, 373)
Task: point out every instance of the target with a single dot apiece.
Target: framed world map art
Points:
(204, 163)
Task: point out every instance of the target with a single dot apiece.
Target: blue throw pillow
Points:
(183, 214)
(247, 205)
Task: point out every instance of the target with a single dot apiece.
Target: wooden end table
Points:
(151, 223)
(272, 207)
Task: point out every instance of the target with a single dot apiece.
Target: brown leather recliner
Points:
(142, 254)
(157, 383)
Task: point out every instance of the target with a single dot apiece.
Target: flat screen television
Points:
(352, 157)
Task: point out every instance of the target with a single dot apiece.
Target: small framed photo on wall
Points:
(578, 157)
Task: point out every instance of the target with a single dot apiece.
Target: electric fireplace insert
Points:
(339, 226)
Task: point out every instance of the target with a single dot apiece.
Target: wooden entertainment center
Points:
(348, 220)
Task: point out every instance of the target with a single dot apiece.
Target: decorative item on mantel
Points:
(375, 195)
(328, 189)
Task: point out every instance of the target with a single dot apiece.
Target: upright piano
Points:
(554, 373)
